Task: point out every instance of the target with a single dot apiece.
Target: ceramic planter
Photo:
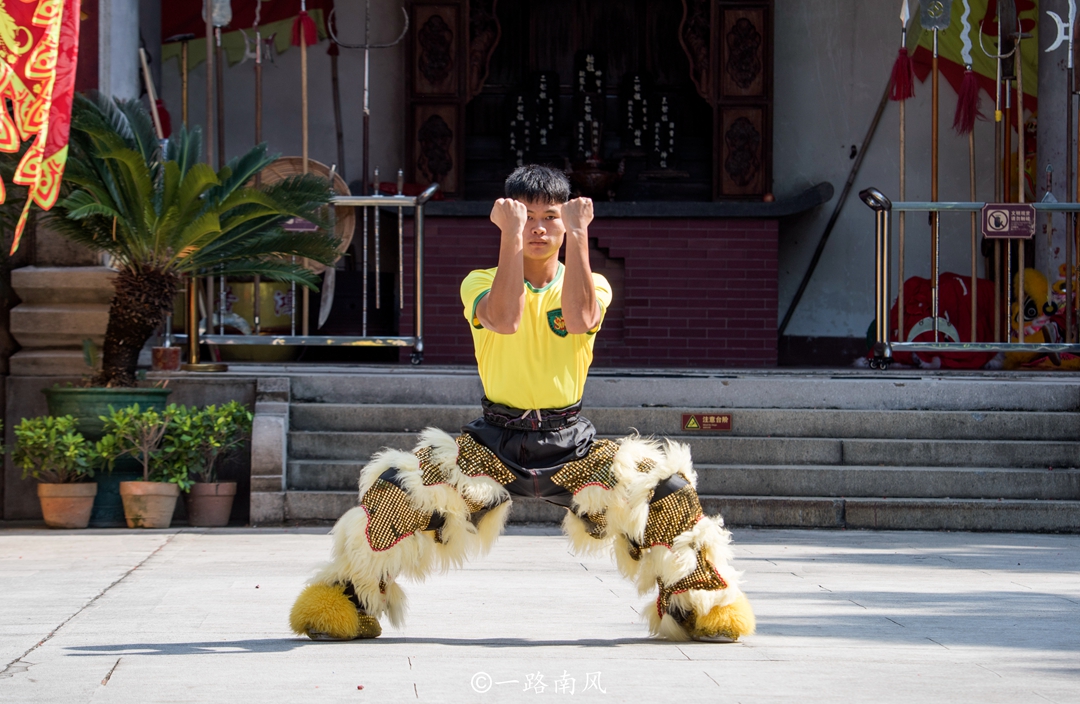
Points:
(67, 505)
(149, 504)
(89, 404)
(210, 503)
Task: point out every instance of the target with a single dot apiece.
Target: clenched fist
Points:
(577, 214)
(509, 215)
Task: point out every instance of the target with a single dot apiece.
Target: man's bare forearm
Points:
(580, 309)
(500, 311)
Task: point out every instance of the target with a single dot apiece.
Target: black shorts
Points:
(534, 456)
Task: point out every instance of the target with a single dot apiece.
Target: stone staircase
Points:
(838, 450)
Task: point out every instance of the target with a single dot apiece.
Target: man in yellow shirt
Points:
(534, 321)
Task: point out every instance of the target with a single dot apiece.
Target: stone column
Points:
(269, 450)
(118, 48)
(1053, 137)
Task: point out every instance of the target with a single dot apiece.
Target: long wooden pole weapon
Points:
(304, 34)
(367, 46)
(936, 15)
(1066, 34)
(967, 110)
(208, 12)
(903, 87)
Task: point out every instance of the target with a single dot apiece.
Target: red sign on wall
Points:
(706, 421)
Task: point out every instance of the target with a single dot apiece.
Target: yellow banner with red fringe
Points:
(39, 46)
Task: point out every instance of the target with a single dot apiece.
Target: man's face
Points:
(544, 230)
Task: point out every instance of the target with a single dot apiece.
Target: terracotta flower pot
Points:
(67, 505)
(210, 503)
(149, 504)
(165, 359)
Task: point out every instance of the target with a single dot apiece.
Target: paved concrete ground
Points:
(200, 616)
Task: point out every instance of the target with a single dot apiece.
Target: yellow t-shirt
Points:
(541, 365)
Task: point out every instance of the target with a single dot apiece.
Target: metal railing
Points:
(884, 347)
(371, 206)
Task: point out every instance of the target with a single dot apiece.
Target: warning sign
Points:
(1008, 220)
(706, 421)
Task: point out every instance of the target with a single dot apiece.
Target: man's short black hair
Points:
(540, 184)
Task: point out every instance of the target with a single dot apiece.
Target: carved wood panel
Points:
(695, 36)
(743, 34)
(438, 81)
(742, 134)
(742, 66)
(436, 145)
(437, 48)
(484, 34)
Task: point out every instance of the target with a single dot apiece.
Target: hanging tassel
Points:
(311, 37)
(903, 77)
(967, 104)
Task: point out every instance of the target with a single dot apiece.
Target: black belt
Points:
(539, 419)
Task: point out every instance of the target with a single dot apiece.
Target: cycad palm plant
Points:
(161, 215)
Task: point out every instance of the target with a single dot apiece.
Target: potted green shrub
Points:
(138, 433)
(198, 439)
(54, 453)
(161, 216)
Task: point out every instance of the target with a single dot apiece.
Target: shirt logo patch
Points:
(556, 322)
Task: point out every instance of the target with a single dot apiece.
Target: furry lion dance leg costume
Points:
(448, 500)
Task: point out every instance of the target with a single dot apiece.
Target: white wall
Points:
(281, 96)
(833, 60)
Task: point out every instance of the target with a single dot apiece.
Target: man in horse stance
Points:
(533, 322)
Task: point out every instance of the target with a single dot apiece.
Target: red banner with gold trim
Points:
(39, 45)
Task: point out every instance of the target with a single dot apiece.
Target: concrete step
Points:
(897, 514)
(802, 512)
(359, 446)
(746, 422)
(892, 482)
(801, 480)
(851, 390)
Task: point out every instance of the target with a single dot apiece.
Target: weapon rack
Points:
(711, 59)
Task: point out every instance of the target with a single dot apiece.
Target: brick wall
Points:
(687, 293)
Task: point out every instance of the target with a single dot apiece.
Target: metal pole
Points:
(883, 274)
(375, 192)
(367, 109)
(974, 239)
(1069, 217)
(220, 73)
(418, 283)
(901, 333)
(193, 320)
(934, 216)
(193, 363)
(401, 242)
(1021, 245)
(364, 297)
(184, 82)
(209, 126)
(997, 291)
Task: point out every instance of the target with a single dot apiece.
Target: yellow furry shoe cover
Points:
(325, 612)
(725, 622)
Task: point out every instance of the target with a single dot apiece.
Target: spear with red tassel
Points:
(903, 87)
(935, 16)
